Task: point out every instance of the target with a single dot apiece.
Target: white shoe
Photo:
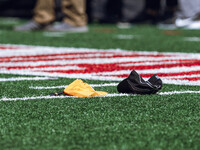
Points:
(194, 25)
(64, 27)
(29, 26)
(180, 23)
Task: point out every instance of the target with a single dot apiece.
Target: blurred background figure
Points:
(188, 15)
(156, 11)
(133, 11)
(107, 11)
(19, 8)
(73, 14)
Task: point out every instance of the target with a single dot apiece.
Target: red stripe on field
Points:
(97, 68)
(12, 47)
(159, 74)
(45, 57)
(7, 47)
(120, 63)
(33, 67)
(51, 55)
(108, 67)
(187, 78)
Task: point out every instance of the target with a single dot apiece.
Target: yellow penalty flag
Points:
(80, 89)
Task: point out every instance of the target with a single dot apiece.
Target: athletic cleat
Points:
(189, 23)
(29, 26)
(64, 27)
(195, 24)
(183, 22)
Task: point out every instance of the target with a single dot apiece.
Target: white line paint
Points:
(108, 95)
(71, 64)
(55, 97)
(126, 37)
(179, 92)
(192, 39)
(63, 86)
(25, 79)
(90, 77)
(152, 71)
(48, 50)
(54, 34)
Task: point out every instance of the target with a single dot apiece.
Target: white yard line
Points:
(63, 86)
(25, 79)
(152, 71)
(192, 39)
(179, 92)
(126, 37)
(53, 97)
(109, 95)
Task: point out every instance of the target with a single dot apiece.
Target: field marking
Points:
(108, 95)
(126, 37)
(179, 92)
(86, 60)
(63, 86)
(192, 39)
(95, 64)
(54, 34)
(90, 77)
(25, 79)
(55, 97)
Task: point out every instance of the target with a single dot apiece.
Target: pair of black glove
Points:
(135, 84)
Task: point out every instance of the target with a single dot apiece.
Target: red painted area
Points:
(94, 66)
(65, 56)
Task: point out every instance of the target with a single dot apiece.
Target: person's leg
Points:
(153, 5)
(171, 7)
(44, 12)
(153, 10)
(189, 8)
(169, 13)
(75, 12)
(189, 14)
(172, 3)
(75, 18)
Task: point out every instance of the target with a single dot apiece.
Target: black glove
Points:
(135, 84)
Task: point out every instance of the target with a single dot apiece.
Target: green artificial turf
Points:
(145, 122)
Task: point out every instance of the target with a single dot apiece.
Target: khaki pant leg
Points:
(75, 12)
(44, 12)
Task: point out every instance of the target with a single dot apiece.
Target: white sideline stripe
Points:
(108, 95)
(54, 34)
(90, 77)
(179, 92)
(63, 86)
(58, 50)
(129, 37)
(161, 70)
(53, 97)
(192, 39)
(25, 79)
(115, 84)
